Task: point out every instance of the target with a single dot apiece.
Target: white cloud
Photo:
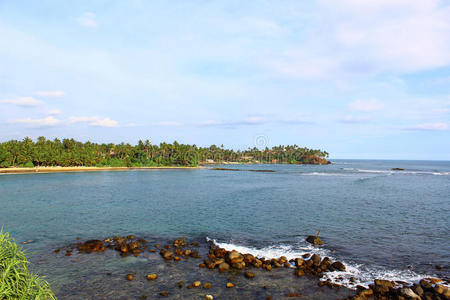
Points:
(73, 120)
(50, 93)
(369, 37)
(366, 105)
(168, 123)
(106, 122)
(354, 119)
(45, 122)
(54, 112)
(23, 101)
(94, 121)
(438, 126)
(88, 19)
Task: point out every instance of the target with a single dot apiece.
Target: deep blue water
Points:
(381, 223)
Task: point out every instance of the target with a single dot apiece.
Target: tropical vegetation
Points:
(69, 153)
(16, 281)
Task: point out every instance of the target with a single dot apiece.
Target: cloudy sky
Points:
(360, 79)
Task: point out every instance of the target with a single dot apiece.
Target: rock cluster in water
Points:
(234, 261)
(427, 289)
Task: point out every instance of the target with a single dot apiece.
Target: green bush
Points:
(16, 281)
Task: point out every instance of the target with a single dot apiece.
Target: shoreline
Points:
(87, 169)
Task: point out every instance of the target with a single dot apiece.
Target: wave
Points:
(392, 172)
(323, 174)
(355, 274)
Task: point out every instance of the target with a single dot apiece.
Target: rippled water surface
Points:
(380, 222)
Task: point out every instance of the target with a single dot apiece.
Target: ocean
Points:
(382, 223)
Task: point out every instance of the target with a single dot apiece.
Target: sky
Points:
(359, 79)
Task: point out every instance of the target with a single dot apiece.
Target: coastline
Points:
(87, 169)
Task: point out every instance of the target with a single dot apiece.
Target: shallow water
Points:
(381, 223)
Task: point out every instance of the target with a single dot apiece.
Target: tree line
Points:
(69, 152)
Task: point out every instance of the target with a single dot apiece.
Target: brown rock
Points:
(223, 267)
(230, 285)
(196, 284)
(235, 257)
(207, 285)
(239, 265)
(151, 276)
(338, 266)
(315, 240)
(164, 294)
(248, 258)
(130, 277)
(249, 274)
(299, 262)
(315, 259)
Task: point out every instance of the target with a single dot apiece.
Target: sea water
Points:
(381, 223)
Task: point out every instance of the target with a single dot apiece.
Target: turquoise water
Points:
(381, 223)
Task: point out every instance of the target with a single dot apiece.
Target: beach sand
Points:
(85, 169)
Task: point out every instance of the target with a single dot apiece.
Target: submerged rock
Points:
(315, 240)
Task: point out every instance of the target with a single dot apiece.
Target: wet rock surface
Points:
(137, 268)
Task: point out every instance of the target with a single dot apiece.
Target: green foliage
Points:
(16, 281)
(70, 153)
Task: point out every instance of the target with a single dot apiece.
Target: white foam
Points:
(354, 275)
(275, 251)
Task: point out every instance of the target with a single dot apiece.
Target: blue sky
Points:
(360, 79)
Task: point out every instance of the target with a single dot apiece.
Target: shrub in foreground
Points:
(16, 281)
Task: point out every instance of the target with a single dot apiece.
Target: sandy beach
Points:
(84, 169)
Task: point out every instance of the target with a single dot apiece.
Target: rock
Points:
(299, 262)
(249, 274)
(181, 242)
(164, 294)
(131, 237)
(209, 297)
(417, 289)
(408, 293)
(196, 284)
(398, 169)
(239, 265)
(434, 280)
(235, 257)
(338, 266)
(257, 263)
(130, 277)
(306, 255)
(223, 267)
(166, 254)
(425, 284)
(218, 261)
(207, 285)
(367, 293)
(439, 289)
(315, 259)
(91, 246)
(220, 252)
(248, 258)
(230, 285)
(177, 258)
(269, 267)
(180, 284)
(194, 254)
(151, 276)
(383, 286)
(299, 272)
(314, 239)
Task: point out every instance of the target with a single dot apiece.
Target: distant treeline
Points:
(68, 153)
